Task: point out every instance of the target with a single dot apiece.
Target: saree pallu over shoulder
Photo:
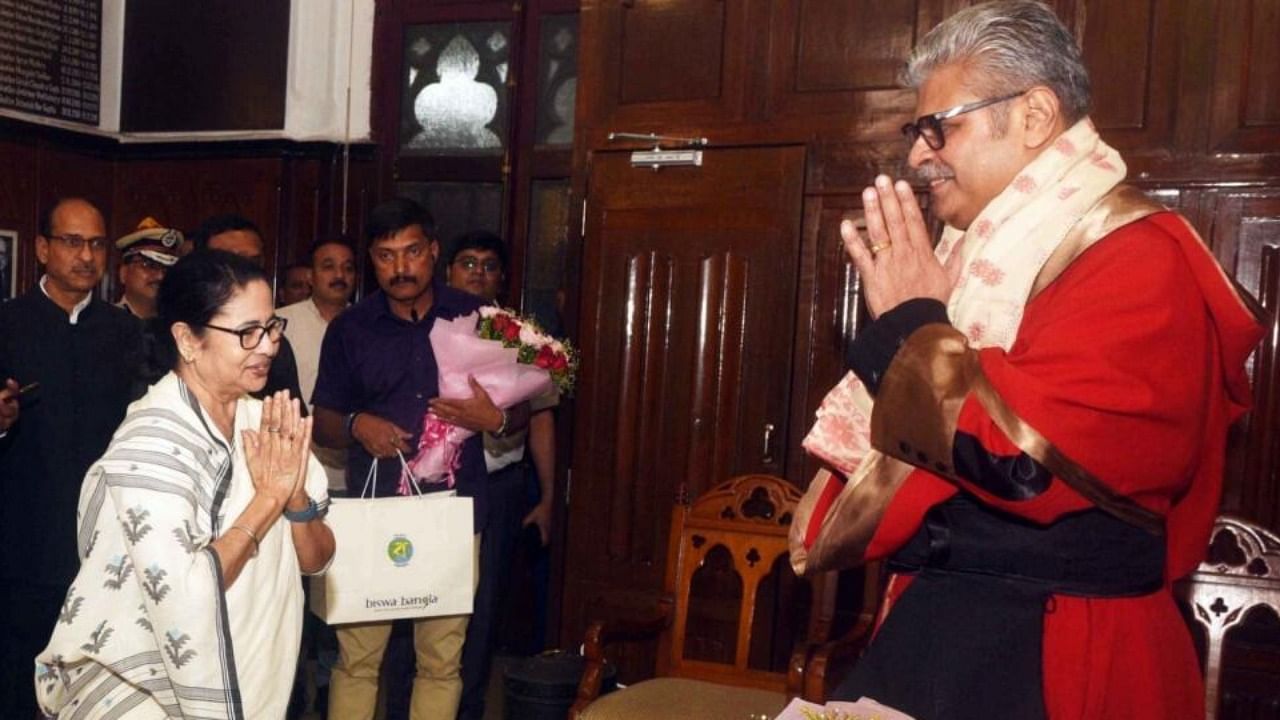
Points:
(145, 620)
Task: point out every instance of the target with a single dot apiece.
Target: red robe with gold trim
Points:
(1132, 364)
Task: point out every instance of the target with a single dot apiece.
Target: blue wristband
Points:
(311, 513)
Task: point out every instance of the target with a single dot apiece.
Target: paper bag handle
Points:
(369, 484)
(371, 488)
(404, 467)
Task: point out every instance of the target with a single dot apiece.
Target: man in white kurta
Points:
(333, 275)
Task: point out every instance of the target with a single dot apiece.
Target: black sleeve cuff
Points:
(873, 349)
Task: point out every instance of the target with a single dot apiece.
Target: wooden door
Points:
(673, 65)
(689, 290)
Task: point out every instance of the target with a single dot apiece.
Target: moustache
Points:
(339, 285)
(931, 171)
(404, 279)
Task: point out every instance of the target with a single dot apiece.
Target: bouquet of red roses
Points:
(510, 356)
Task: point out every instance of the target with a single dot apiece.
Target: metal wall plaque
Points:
(50, 58)
(666, 158)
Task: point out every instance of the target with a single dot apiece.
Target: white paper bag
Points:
(397, 557)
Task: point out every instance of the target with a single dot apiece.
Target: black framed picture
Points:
(8, 264)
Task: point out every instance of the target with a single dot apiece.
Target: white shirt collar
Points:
(75, 311)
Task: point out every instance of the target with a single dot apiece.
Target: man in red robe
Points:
(1039, 415)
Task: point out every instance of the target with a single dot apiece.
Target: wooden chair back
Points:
(1241, 573)
(747, 517)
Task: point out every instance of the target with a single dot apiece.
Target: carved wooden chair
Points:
(1241, 573)
(738, 529)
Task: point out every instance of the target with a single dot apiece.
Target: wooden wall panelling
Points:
(304, 201)
(291, 190)
(1246, 78)
(1245, 237)
(832, 63)
(828, 314)
(185, 190)
(315, 196)
(1193, 203)
(673, 67)
(249, 186)
(687, 336)
(40, 165)
(18, 203)
(163, 189)
(1131, 50)
(843, 168)
(75, 170)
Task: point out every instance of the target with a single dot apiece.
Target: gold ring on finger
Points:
(875, 249)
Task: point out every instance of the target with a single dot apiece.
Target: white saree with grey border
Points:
(147, 629)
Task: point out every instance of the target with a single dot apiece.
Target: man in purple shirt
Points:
(377, 376)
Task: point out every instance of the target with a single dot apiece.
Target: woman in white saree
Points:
(195, 524)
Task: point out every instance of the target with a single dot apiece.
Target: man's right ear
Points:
(42, 249)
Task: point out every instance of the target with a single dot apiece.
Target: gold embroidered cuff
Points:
(920, 397)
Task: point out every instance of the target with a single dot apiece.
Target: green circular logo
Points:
(400, 550)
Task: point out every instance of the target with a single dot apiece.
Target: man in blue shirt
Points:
(377, 376)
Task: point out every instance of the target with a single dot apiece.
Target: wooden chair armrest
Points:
(601, 633)
(832, 659)
(796, 668)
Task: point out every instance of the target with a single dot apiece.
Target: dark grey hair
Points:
(1009, 45)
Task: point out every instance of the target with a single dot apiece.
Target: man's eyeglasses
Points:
(929, 126)
(251, 337)
(469, 263)
(76, 242)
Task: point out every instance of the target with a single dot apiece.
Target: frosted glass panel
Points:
(455, 94)
(544, 269)
(457, 207)
(557, 80)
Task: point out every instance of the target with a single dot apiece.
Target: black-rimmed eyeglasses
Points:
(929, 126)
(251, 337)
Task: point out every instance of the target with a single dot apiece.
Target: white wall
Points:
(328, 87)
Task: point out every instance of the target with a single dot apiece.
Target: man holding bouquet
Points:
(377, 375)
(477, 263)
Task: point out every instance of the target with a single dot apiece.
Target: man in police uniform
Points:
(145, 255)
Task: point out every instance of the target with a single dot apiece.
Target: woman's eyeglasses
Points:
(469, 263)
(251, 337)
(929, 126)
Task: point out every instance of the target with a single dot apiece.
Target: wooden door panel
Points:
(1134, 72)
(828, 58)
(689, 278)
(1246, 81)
(671, 52)
(825, 57)
(660, 61)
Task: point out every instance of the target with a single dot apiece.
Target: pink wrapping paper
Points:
(461, 354)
